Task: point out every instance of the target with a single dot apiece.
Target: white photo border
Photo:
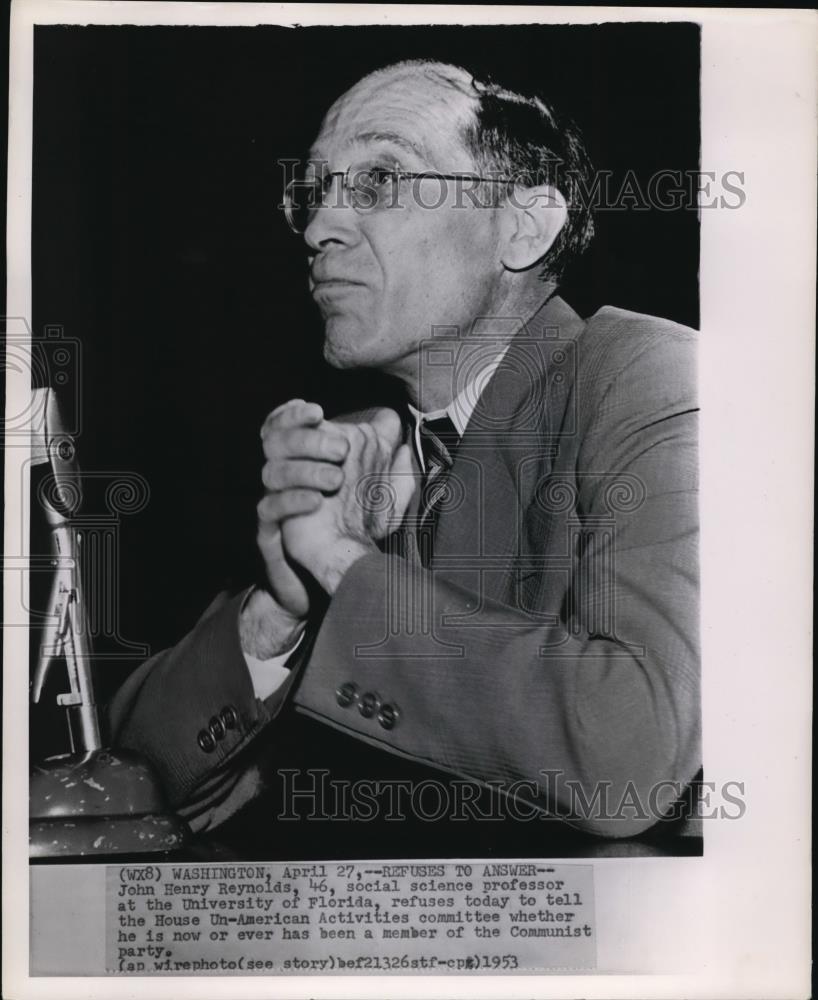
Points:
(735, 922)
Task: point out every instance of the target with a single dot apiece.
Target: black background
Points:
(158, 245)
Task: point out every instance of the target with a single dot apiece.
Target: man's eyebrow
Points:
(395, 139)
(392, 138)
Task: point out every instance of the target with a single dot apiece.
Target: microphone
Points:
(92, 800)
(66, 635)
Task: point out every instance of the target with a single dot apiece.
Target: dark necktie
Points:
(438, 442)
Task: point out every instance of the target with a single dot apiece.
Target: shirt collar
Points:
(460, 409)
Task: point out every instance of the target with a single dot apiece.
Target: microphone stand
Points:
(93, 801)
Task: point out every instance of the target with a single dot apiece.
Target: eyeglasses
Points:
(369, 189)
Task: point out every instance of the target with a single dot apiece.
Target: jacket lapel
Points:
(508, 447)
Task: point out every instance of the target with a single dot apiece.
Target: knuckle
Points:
(315, 475)
(329, 445)
(301, 499)
(293, 475)
(266, 509)
(268, 538)
(391, 425)
(286, 475)
(328, 476)
(357, 436)
(274, 415)
(270, 475)
(298, 440)
(285, 407)
(370, 440)
(271, 443)
(287, 502)
(384, 417)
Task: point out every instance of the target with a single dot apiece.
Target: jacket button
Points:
(216, 728)
(388, 716)
(346, 694)
(206, 741)
(368, 704)
(229, 717)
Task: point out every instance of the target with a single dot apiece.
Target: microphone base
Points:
(106, 802)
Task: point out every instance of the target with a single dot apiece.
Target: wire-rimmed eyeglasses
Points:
(368, 189)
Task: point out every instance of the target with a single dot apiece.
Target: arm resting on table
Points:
(166, 707)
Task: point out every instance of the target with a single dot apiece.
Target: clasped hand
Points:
(333, 489)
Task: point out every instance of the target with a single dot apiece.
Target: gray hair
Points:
(523, 138)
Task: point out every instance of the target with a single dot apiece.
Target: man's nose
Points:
(334, 220)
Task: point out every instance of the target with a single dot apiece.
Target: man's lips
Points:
(335, 283)
(326, 288)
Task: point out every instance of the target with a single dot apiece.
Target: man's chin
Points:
(339, 360)
(343, 342)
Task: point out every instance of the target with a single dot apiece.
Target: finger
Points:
(354, 436)
(301, 473)
(293, 413)
(369, 448)
(275, 507)
(284, 406)
(324, 444)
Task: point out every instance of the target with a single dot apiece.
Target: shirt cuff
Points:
(268, 675)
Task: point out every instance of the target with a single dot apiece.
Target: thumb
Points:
(402, 480)
(387, 425)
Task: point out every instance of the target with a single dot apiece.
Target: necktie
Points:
(438, 441)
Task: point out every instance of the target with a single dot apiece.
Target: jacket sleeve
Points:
(192, 711)
(601, 728)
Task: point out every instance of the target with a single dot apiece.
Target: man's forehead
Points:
(337, 140)
(417, 116)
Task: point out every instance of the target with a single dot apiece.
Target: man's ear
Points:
(535, 217)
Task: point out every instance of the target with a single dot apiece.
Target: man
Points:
(500, 583)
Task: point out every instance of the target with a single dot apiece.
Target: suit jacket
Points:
(551, 643)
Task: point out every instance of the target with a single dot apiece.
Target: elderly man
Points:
(500, 582)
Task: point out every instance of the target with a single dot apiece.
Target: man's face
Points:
(383, 278)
